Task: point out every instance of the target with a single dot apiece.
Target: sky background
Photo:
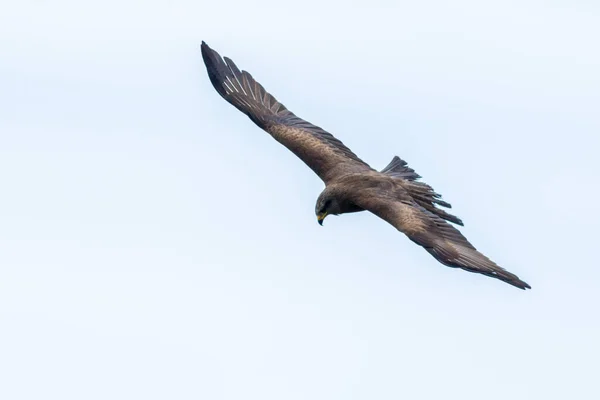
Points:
(155, 244)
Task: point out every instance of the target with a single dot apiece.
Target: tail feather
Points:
(423, 194)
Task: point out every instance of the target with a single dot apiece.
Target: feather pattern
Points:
(319, 149)
(439, 238)
(421, 192)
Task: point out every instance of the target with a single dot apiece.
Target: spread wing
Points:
(439, 238)
(320, 150)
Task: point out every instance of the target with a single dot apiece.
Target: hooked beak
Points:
(321, 217)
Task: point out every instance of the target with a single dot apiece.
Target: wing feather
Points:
(326, 155)
(442, 240)
(422, 193)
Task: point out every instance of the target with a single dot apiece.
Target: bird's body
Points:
(394, 194)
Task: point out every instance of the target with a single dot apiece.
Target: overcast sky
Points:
(155, 244)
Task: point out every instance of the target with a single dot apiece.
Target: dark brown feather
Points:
(440, 239)
(326, 155)
(421, 192)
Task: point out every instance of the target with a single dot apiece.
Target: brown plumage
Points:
(351, 185)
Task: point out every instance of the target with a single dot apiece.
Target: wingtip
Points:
(521, 285)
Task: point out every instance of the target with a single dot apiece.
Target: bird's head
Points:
(326, 204)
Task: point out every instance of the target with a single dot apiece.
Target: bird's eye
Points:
(324, 207)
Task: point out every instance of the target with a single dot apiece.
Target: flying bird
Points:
(394, 194)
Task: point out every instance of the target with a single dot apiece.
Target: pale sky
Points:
(155, 244)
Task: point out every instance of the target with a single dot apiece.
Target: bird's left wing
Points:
(327, 156)
(439, 238)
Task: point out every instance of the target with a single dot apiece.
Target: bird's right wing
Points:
(439, 238)
(327, 156)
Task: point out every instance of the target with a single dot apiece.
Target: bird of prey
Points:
(394, 194)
